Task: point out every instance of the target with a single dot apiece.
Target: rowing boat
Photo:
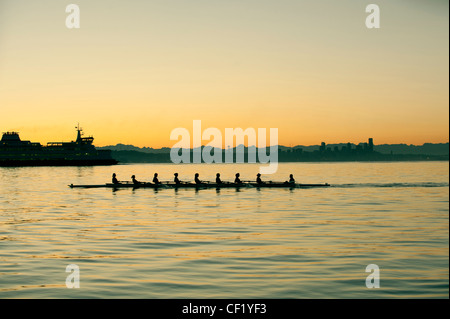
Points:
(202, 185)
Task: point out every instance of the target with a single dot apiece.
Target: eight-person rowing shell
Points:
(197, 181)
(237, 180)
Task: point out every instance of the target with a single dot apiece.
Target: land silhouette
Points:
(342, 152)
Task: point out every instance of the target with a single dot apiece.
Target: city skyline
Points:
(368, 141)
(135, 71)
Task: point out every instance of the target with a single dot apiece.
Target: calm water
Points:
(228, 243)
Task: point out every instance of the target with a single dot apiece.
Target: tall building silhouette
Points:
(371, 144)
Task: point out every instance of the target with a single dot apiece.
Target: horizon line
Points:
(278, 145)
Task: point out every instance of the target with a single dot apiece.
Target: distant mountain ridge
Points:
(425, 149)
(127, 147)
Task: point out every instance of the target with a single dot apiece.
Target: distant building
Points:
(371, 144)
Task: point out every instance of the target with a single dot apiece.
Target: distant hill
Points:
(425, 149)
(124, 147)
(403, 149)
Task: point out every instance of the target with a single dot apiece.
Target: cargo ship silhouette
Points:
(15, 152)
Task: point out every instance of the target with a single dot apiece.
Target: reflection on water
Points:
(226, 243)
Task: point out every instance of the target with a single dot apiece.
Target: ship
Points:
(81, 152)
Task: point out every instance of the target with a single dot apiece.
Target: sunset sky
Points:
(136, 70)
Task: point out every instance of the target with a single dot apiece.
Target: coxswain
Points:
(218, 180)
(114, 179)
(176, 180)
(155, 179)
(237, 180)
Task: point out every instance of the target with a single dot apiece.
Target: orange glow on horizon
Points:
(136, 72)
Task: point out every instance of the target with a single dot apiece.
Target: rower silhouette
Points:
(114, 179)
(135, 181)
(291, 179)
(155, 179)
(176, 180)
(237, 180)
(218, 180)
(197, 181)
(258, 179)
